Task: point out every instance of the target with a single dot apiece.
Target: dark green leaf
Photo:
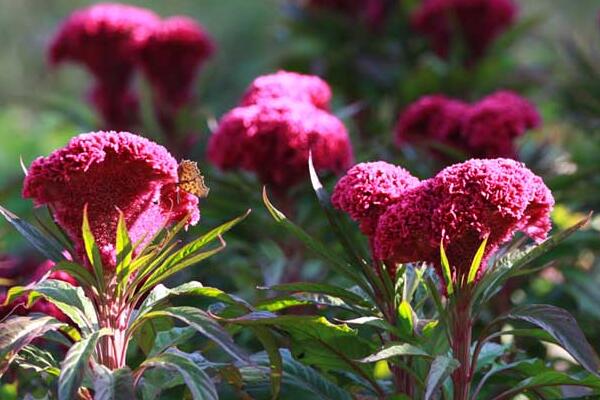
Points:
(441, 368)
(323, 288)
(395, 350)
(113, 385)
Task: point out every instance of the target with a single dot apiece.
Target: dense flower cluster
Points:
(460, 206)
(111, 40)
(372, 12)
(110, 172)
(485, 129)
(368, 189)
(291, 85)
(272, 136)
(477, 23)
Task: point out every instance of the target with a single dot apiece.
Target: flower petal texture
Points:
(110, 172)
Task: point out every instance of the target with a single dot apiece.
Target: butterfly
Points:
(191, 180)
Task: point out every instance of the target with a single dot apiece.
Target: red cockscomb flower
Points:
(282, 84)
(110, 172)
(492, 125)
(105, 38)
(273, 139)
(432, 118)
(171, 57)
(461, 206)
(478, 23)
(368, 189)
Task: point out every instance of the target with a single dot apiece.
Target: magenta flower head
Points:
(368, 189)
(273, 138)
(171, 57)
(432, 118)
(461, 206)
(105, 38)
(478, 23)
(493, 124)
(291, 85)
(110, 172)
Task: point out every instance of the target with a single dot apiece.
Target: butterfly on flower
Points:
(191, 180)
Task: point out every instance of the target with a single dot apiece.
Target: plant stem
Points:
(461, 336)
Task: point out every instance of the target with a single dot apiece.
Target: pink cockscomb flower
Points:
(110, 172)
(171, 57)
(105, 38)
(291, 85)
(461, 206)
(432, 118)
(479, 23)
(492, 125)
(273, 139)
(368, 189)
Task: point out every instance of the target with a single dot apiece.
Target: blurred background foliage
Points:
(552, 57)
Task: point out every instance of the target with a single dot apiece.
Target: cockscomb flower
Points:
(368, 189)
(292, 85)
(273, 139)
(432, 118)
(110, 172)
(104, 38)
(460, 207)
(171, 57)
(118, 108)
(477, 23)
(492, 125)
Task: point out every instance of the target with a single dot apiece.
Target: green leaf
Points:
(199, 320)
(549, 378)
(446, 269)
(316, 247)
(38, 360)
(70, 300)
(113, 384)
(171, 338)
(395, 350)
(406, 315)
(80, 273)
(189, 254)
(17, 332)
(476, 263)
(75, 364)
(124, 250)
(298, 381)
(561, 326)
(198, 382)
(48, 246)
(323, 288)
(441, 368)
(269, 342)
(91, 250)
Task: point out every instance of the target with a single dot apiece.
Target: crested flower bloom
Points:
(492, 125)
(273, 138)
(477, 23)
(171, 56)
(110, 172)
(368, 189)
(461, 206)
(292, 85)
(432, 118)
(105, 38)
(485, 129)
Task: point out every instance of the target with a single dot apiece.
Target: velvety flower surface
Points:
(485, 129)
(433, 117)
(171, 56)
(118, 108)
(492, 124)
(368, 189)
(108, 172)
(462, 205)
(478, 23)
(290, 85)
(273, 138)
(105, 38)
